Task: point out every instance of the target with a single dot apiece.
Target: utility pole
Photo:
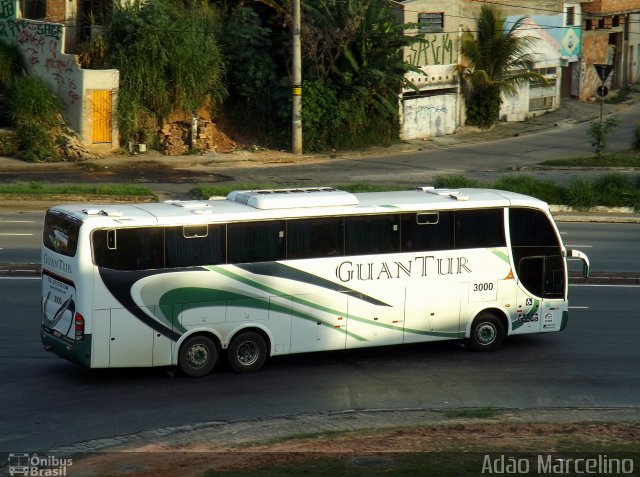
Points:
(296, 138)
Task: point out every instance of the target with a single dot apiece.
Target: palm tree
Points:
(498, 60)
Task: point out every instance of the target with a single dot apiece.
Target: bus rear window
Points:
(60, 233)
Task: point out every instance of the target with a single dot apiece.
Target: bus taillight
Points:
(79, 322)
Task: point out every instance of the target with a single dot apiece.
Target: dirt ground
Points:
(192, 454)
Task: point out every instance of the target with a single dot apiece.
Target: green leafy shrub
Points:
(636, 138)
(36, 142)
(27, 99)
(456, 182)
(581, 195)
(169, 61)
(616, 190)
(35, 113)
(547, 191)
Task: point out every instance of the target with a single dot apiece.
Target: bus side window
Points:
(255, 241)
(423, 232)
(479, 228)
(187, 246)
(315, 238)
(371, 234)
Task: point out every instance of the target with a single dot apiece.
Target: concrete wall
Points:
(42, 45)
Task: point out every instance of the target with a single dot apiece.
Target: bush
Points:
(36, 142)
(636, 139)
(581, 195)
(27, 99)
(546, 191)
(456, 182)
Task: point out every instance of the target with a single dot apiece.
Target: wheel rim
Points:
(198, 356)
(248, 353)
(486, 333)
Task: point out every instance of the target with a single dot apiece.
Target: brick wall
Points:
(611, 6)
(56, 11)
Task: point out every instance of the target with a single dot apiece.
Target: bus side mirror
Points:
(578, 255)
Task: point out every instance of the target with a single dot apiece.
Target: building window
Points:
(431, 22)
(570, 18)
(34, 9)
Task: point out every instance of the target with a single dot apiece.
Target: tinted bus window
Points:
(129, 249)
(314, 238)
(60, 233)
(424, 232)
(479, 228)
(255, 242)
(372, 234)
(190, 246)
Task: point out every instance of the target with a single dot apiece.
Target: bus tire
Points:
(487, 333)
(247, 352)
(198, 356)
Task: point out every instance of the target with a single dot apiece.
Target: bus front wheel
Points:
(198, 355)
(247, 352)
(487, 333)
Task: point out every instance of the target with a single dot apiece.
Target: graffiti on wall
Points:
(437, 49)
(429, 116)
(41, 44)
(7, 9)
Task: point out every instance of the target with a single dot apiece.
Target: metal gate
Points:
(101, 116)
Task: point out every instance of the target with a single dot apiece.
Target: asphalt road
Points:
(48, 403)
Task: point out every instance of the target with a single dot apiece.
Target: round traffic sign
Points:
(602, 91)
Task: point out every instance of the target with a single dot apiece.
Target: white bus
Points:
(273, 272)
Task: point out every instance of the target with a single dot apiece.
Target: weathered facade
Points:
(88, 96)
(437, 108)
(611, 35)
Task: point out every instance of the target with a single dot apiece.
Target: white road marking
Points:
(15, 235)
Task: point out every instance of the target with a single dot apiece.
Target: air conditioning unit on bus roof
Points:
(293, 198)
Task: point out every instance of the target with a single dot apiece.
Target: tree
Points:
(353, 72)
(498, 60)
(169, 60)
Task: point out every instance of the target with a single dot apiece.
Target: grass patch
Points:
(480, 413)
(37, 189)
(616, 159)
(372, 464)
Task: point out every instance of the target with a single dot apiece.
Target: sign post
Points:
(603, 70)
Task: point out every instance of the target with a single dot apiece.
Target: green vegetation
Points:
(40, 190)
(598, 132)
(620, 97)
(169, 60)
(617, 159)
(30, 107)
(368, 464)
(636, 139)
(496, 63)
(481, 413)
(611, 190)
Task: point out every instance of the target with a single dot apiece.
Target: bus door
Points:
(541, 294)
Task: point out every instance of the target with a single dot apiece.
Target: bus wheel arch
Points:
(198, 354)
(248, 350)
(488, 330)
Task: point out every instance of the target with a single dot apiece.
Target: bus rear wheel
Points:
(247, 352)
(487, 333)
(198, 356)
